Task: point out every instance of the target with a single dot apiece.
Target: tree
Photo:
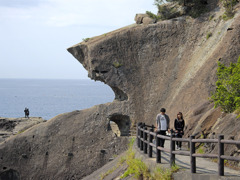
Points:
(227, 94)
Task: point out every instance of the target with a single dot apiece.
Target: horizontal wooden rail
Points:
(231, 158)
(181, 139)
(205, 155)
(163, 149)
(230, 142)
(145, 143)
(205, 140)
(183, 153)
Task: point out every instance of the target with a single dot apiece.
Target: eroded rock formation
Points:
(169, 64)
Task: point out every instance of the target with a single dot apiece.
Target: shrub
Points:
(164, 174)
(228, 5)
(153, 16)
(227, 93)
(117, 64)
(86, 39)
(135, 166)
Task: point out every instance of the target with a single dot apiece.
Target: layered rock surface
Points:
(169, 64)
(12, 126)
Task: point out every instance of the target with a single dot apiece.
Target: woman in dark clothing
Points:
(179, 127)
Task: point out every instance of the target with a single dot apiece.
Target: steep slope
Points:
(169, 64)
(69, 146)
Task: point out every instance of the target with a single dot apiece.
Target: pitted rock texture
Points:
(69, 146)
(169, 64)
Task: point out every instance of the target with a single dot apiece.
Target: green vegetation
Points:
(139, 169)
(103, 175)
(227, 94)
(153, 16)
(211, 17)
(135, 166)
(228, 5)
(121, 161)
(19, 132)
(117, 64)
(209, 34)
(194, 8)
(165, 174)
(201, 150)
(86, 39)
(237, 112)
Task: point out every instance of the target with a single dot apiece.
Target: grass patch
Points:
(110, 171)
(226, 16)
(117, 64)
(19, 132)
(86, 39)
(201, 150)
(209, 34)
(211, 17)
(164, 174)
(237, 111)
(139, 169)
(153, 16)
(135, 166)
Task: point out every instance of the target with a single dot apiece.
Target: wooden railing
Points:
(146, 134)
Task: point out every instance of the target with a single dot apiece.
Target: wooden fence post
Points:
(138, 134)
(150, 140)
(220, 152)
(158, 152)
(145, 139)
(141, 136)
(172, 148)
(192, 151)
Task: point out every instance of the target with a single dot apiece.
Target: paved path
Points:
(204, 166)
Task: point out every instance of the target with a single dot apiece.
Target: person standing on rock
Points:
(179, 125)
(162, 125)
(26, 111)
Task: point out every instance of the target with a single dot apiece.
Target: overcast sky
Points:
(34, 34)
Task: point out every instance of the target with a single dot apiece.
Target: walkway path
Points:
(204, 166)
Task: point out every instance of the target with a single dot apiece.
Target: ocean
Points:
(48, 98)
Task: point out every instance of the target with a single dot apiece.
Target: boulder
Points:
(148, 20)
(139, 18)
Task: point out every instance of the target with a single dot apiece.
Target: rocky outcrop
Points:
(169, 64)
(12, 126)
(69, 146)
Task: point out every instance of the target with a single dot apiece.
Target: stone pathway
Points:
(204, 166)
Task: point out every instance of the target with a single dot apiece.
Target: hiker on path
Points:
(179, 125)
(26, 111)
(162, 125)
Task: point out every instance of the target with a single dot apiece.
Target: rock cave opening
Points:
(120, 124)
(10, 175)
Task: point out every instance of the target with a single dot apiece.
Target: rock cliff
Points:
(168, 64)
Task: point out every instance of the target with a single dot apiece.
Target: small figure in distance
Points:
(179, 125)
(26, 111)
(162, 125)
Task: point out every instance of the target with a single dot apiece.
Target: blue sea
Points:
(48, 98)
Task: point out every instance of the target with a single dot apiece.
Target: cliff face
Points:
(169, 64)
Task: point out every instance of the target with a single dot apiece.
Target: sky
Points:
(34, 34)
